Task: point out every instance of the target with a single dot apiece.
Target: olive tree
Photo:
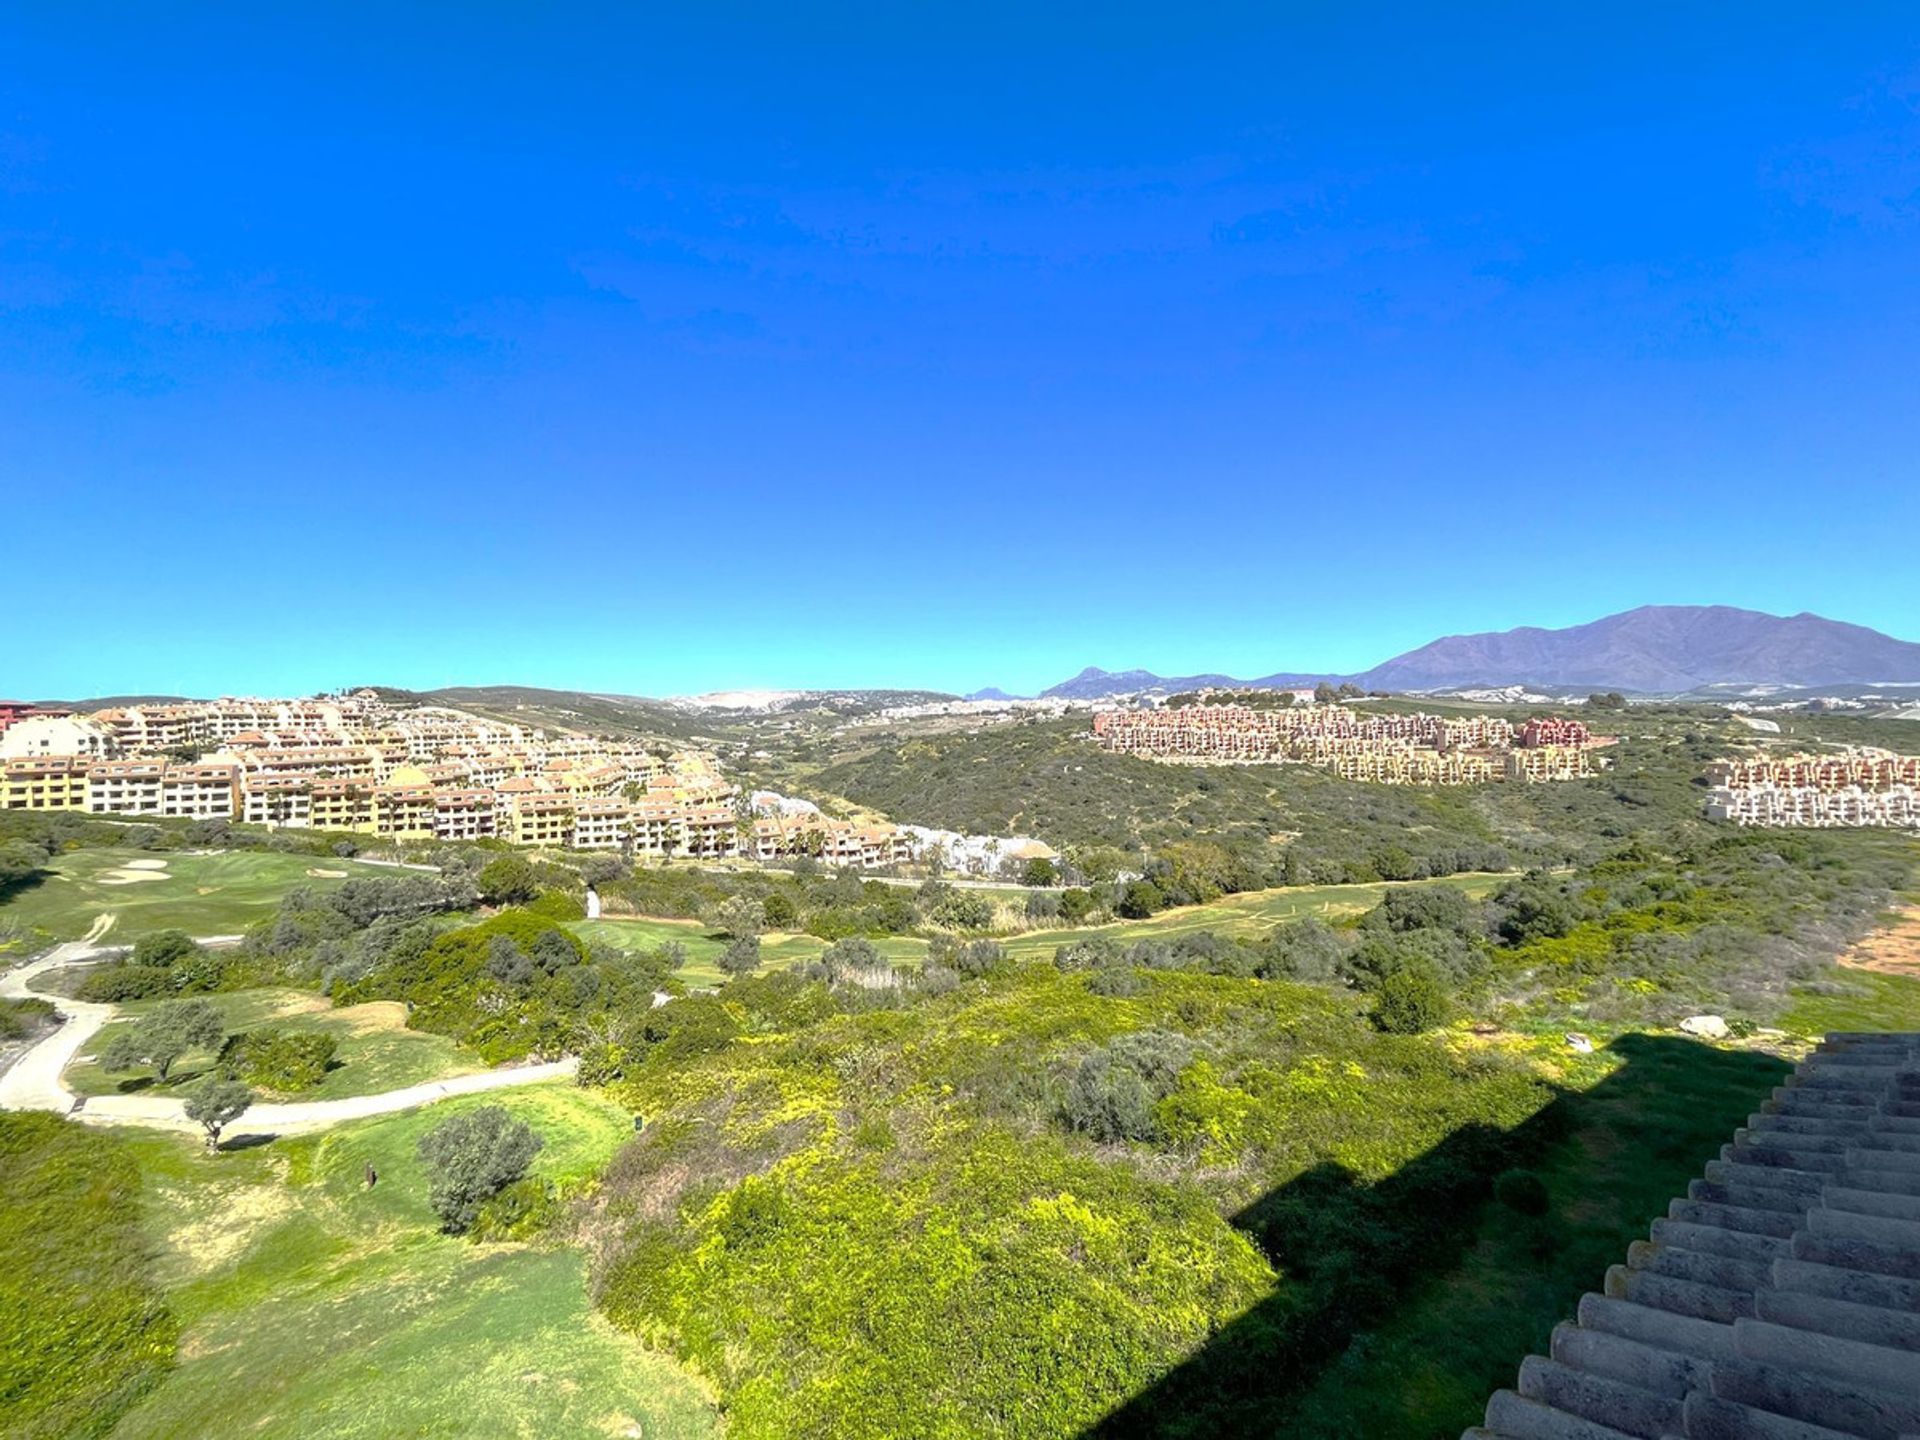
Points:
(216, 1105)
(471, 1157)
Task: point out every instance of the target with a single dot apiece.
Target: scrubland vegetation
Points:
(1162, 1150)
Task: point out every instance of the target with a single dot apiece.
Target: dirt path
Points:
(1894, 950)
(33, 1081)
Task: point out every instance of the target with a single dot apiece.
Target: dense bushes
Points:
(825, 1197)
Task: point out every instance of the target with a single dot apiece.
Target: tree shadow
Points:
(252, 1140)
(1352, 1256)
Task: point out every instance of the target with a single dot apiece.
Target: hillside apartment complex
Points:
(1386, 749)
(1855, 788)
(357, 764)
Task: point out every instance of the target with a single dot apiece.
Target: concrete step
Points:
(1613, 1357)
(1902, 1109)
(1875, 1138)
(1771, 1177)
(1856, 1255)
(1871, 1202)
(1887, 1182)
(1888, 1292)
(1774, 1157)
(1681, 1297)
(1704, 1269)
(1882, 1123)
(1710, 1418)
(1739, 1195)
(1664, 1330)
(1876, 1367)
(1878, 1157)
(1843, 1405)
(1715, 1240)
(1875, 1229)
(1788, 1095)
(1804, 1141)
(1777, 1223)
(1852, 1123)
(1513, 1415)
(1622, 1407)
(1872, 1324)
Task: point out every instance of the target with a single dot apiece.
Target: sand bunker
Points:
(127, 876)
(326, 874)
(144, 865)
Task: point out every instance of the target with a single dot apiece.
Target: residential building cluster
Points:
(1855, 788)
(359, 764)
(1416, 749)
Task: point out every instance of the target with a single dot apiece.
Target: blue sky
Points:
(947, 346)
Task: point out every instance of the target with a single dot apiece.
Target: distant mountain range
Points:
(1655, 650)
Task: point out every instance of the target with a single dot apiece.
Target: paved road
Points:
(33, 1081)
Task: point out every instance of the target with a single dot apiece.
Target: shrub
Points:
(1113, 1093)
(508, 880)
(279, 1059)
(1522, 1192)
(472, 1157)
(964, 911)
(778, 912)
(112, 984)
(164, 948)
(1139, 900)
(741, 957)
(560, 905)
(1410, 1001)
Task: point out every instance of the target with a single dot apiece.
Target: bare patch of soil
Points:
(1894, 950)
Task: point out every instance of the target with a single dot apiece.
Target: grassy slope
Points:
(1632, 1132)
(312, 1306)
(777, 951)
(377, 1052)
(220, 893)
(85, 1332)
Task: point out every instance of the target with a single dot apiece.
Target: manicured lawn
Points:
(777, 951)
(377, 1052)
(311, 1306)
(216, 893)
(1250, 915)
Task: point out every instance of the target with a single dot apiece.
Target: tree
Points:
(1325, 694)
(1606, 700)
(508, 880)
(1040, 872)
(162, 1037)
(471, 1157)
(1075, 905)
(737, 917)
(216, 1104)
(1140, 899)
(741, 957)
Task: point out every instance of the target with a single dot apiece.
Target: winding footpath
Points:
(33, 1081)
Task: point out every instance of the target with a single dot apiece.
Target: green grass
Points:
(313, 1307)
(777, 951)
(377, 1052)
(1859, 1000)
(217, 893)
(1635, 1124)
(1247, 916)
(85, 1331)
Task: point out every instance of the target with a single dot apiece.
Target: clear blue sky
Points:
(945, 346)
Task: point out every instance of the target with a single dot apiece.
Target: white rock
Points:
(1707, 1027)
(1582, 1043)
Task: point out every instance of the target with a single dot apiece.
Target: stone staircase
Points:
(1780, 1300)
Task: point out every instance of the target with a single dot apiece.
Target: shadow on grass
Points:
(1465, 1286)
(248, 1141)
